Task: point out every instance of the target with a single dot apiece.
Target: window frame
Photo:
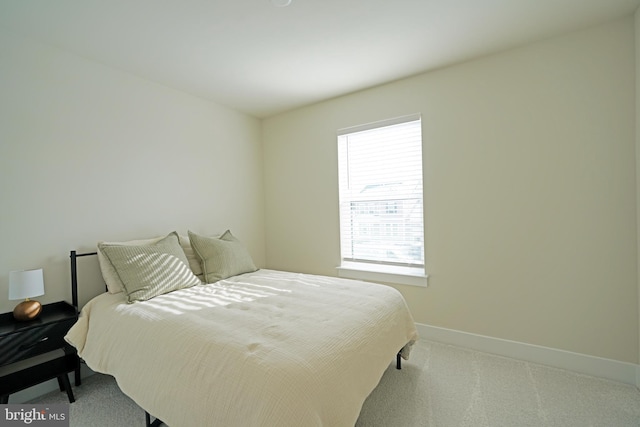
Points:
(381, 271)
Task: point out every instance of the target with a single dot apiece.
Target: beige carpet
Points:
(450, 386)
(441, 385)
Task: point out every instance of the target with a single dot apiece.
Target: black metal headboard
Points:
(74, 275)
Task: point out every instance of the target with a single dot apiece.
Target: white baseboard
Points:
(628, 373)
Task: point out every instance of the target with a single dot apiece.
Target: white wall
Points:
(530, 191)
(637, 75)
(90, 153)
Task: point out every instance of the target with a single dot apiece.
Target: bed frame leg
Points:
(155, 423)
(398, 361)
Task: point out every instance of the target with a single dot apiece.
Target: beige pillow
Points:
(114, 285)
(150, 270)
(192, 257)
(221, 257)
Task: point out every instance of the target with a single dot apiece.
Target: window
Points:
(381, 199)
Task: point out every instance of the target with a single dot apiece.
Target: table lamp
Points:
(26, 284)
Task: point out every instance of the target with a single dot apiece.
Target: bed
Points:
(258, 347)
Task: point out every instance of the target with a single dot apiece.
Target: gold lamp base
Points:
(27, 310)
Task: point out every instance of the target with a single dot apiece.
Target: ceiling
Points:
(261, 59)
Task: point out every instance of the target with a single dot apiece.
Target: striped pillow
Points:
(150, 270)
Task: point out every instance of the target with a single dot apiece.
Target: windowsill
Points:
(383, 273)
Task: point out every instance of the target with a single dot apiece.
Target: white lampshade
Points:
(26, 284)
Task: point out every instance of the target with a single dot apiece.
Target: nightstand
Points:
(35, 351)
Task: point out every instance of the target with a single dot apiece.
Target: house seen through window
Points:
(381, 194)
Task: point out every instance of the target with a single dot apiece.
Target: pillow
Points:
(114, 284)
(221, 257)
(150, 270)
(192, 257)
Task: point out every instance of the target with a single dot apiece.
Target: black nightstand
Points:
(35, 351)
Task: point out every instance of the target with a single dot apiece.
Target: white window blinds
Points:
(380, 180)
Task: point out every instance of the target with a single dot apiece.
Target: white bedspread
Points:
(267, 348)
